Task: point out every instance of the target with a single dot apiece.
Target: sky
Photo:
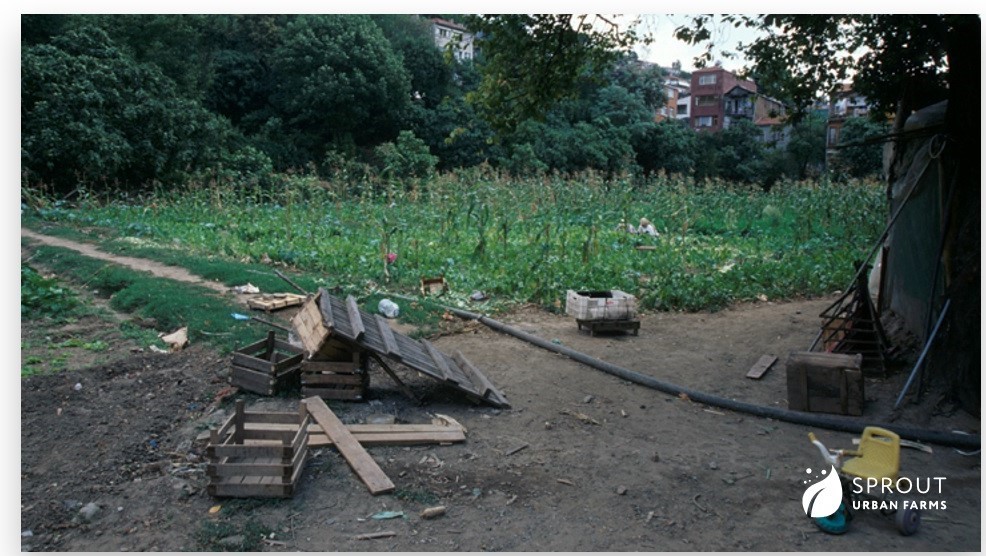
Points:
(666, 49)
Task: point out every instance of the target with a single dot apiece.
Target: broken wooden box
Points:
(266, 367)
(252, 463)
(275, 301)
(825, 382)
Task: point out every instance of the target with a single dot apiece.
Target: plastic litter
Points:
(387, 515)
(477, 296)
(248, 288)
(238, 316)
(388, 308)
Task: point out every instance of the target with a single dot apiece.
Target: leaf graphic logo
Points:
(823, 498)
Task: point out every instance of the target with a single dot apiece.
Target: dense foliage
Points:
(127, 102)
(525, 240)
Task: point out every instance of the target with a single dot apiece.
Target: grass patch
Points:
(419, 495)
(172, 304)
(224, 536)
(44, 297)
(95, 345)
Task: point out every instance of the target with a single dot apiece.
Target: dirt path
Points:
(154, 267)
(582, 461)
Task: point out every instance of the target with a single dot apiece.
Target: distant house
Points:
(768, 114)
(843, 104)
(708, 93)
(447, 32)
(675, 89)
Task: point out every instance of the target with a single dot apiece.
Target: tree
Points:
(533, 61)
(407, 158)
(410, 37)
(91, 114)
(338, 82)
(669, 145)
(861, 152)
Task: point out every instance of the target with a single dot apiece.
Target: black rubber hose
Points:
(798, 417)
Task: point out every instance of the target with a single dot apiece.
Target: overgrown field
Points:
(521, 241)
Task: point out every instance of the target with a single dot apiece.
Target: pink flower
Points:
(391, 257)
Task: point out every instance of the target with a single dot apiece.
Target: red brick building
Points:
(709, 85)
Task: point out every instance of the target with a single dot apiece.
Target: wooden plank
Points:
(250, 451)
(346, 367)
(317, 440)
(360, 430)
(254, 348)
(241, 490)
(308, 324)
(350, 448)
(325, 306)
(355, 321)
(439, 359)
(252, 381)
(284, 362)
(241, 360)
(761, 366)
(318, 379)
(332, 393)
(387, 335)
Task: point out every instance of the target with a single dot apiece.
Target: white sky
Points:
(666, 49)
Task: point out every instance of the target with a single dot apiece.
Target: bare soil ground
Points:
(122, 432)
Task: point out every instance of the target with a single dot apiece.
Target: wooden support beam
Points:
(400, 384)
(350, 448)
(387, 335)
(354, 318)
(325, 306)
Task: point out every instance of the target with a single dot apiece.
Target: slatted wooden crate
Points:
(266, 367)
(251, 463)
(335, 373)
(275, 301)
(433, 286)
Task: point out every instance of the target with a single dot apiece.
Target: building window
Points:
(682, 109)
(706, 100)
(707, 79)
(705, 121)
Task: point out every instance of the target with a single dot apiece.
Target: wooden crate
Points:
(335, 374)
(433, 286)
(600, 305)
(245, 463)
(266, 367)
(275, 301)
(825, 382)
(594, 326)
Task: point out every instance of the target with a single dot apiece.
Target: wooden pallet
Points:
(266, 367)
(275, 301)
(327, 318)
(433, 286)
(594, 326)
(245, 464)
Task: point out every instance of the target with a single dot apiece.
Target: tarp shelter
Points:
(913, 282)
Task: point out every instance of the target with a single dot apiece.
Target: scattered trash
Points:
(156, 349)
(215, 509)
(88, 512)
(238, 316)
(387, 515)
(248, 288)
(477, 296)
(448, 421)
(713, 465)
(650, 516)
(580, 416)
(621, 490)
(177, 340)
(566, 482)
(388, 308)
(515, 449)
(588, 399)
(429, 513)
(623, 413)
(77, 387)
(762, 298)
(433, 286)
(477, 492)
(391, 258)
(27, 533)
(556, 341)
(371, 536)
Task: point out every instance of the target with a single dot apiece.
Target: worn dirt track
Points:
(604, 464)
